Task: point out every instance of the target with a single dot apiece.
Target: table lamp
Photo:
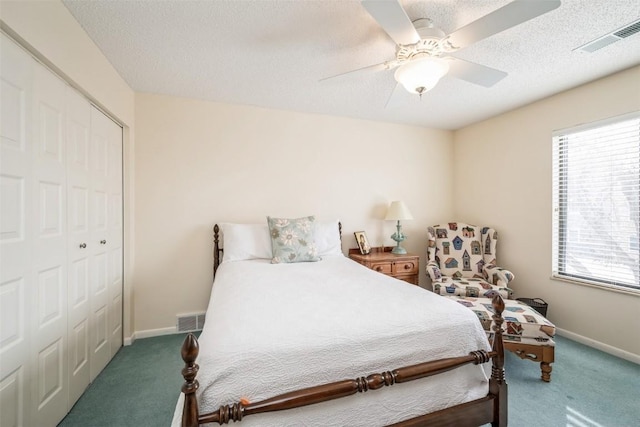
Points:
(398, 211)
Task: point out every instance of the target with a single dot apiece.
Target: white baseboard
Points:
(623, 354)
(129, 340)
(149, 333)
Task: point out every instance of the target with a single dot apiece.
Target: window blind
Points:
(596, 209)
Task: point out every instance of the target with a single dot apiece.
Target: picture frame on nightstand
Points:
(363, 242)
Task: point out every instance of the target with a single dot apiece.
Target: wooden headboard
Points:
(218, 250)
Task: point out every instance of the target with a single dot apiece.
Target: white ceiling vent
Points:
(607, 39)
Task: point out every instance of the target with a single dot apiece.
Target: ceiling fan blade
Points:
(508, 16)
(393, 19)
(474, 73)
(387, 65)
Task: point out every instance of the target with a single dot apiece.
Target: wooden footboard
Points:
(489, 409)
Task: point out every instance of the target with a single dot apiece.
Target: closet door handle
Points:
(103, 242)
(83, 245)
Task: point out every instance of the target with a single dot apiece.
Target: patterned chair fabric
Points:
(522, 323)
(461, 261)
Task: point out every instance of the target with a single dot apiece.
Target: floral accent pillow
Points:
(292, 240)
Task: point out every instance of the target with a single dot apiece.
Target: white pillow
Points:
(245, 241)
(253, 241)
(327, 237)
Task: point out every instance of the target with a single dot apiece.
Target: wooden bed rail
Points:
(494, 405)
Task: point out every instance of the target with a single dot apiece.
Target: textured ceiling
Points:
(272, 53)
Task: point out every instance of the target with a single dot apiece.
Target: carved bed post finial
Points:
(216, 248)
(189, 354)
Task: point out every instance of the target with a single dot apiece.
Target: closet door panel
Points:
(115, 233)
(16, 233)
(49, 375)
(78, 238)
(98, 214)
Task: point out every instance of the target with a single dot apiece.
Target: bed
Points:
(312, 343)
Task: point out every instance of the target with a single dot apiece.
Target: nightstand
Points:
(404, 267)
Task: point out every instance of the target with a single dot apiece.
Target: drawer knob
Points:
(378, 268)
(103, 242)
(407, 266)
(83, 245)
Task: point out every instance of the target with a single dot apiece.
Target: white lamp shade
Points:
(398, 211)
(421, 75)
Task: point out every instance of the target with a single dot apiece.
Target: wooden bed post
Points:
(497, 383)
(216, 248)
(189, 354)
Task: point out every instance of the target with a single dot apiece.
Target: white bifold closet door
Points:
(105, 249)
(115, 233)
(48, 311)
(17, 272)
(60, 242)
(78, 239)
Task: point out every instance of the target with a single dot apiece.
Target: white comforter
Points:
(274, 328)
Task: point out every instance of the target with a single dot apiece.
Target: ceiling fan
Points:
(422, 50)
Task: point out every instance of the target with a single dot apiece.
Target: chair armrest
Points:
(433, 270)
(498, 276)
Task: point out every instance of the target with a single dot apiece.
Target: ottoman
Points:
(527, 333)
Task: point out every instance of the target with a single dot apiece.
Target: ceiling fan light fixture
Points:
(421, 75)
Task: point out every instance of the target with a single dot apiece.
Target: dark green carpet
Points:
(589, 388)
(139, 387)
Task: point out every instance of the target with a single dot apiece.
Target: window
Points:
(596, 209)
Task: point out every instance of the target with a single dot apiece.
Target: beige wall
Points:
(198, 163)
(502, 178)
(51, 33)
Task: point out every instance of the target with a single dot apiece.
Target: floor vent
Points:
(607, 39)
(191, 322)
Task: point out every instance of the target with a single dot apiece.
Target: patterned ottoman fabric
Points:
(473, 287)
(522, 323)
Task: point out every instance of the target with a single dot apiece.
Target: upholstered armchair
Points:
(461, 261)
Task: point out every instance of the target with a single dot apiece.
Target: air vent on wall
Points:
(191, 322)
(607, 39)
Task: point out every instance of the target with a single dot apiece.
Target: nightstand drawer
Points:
(382, 267)
(404, 267)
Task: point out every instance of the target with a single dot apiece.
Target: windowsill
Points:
(610, 288)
